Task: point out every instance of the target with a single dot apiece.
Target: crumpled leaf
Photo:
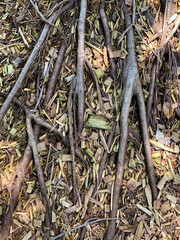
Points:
(161, 139)
(168, 109)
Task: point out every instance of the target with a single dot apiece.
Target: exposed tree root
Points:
(132, 85)
(20, 172)
(96, 82)
(54, 77)
(32, 143)
(151, 92)
(26, 68)
(72, 142)
(80, 66)
(108, 38)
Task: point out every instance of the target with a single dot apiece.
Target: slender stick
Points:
(88, 222)
(71, 140)
(147, 148)
(54, 77)
(151, 92)
(108, 38)
(96, 82)
(43, 188)
(80, 65)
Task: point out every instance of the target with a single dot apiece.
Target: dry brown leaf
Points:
(168, 109)
(97, 55)
(166, 206)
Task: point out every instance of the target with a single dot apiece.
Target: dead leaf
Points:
(168, 109)
(97, 55)
(165, 206)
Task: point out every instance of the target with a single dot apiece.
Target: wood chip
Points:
(27, 236)
(148, 196)
(103, 141)
(175, 138)
(41, 147)
(139, 231)
(108, 179)
(107, 106)
(105, 56)
(160, 145)
(144, 209)
(132, 184)
(167, 177)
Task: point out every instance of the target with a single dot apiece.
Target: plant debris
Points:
(90, 116)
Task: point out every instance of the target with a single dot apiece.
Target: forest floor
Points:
(70, 172)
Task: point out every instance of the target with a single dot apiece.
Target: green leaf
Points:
(98, 121)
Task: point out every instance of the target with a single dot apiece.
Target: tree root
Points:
(26, 68)
(20, 172)
(132, 85)
(32, 143)
(79, 85)
(108, 39)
